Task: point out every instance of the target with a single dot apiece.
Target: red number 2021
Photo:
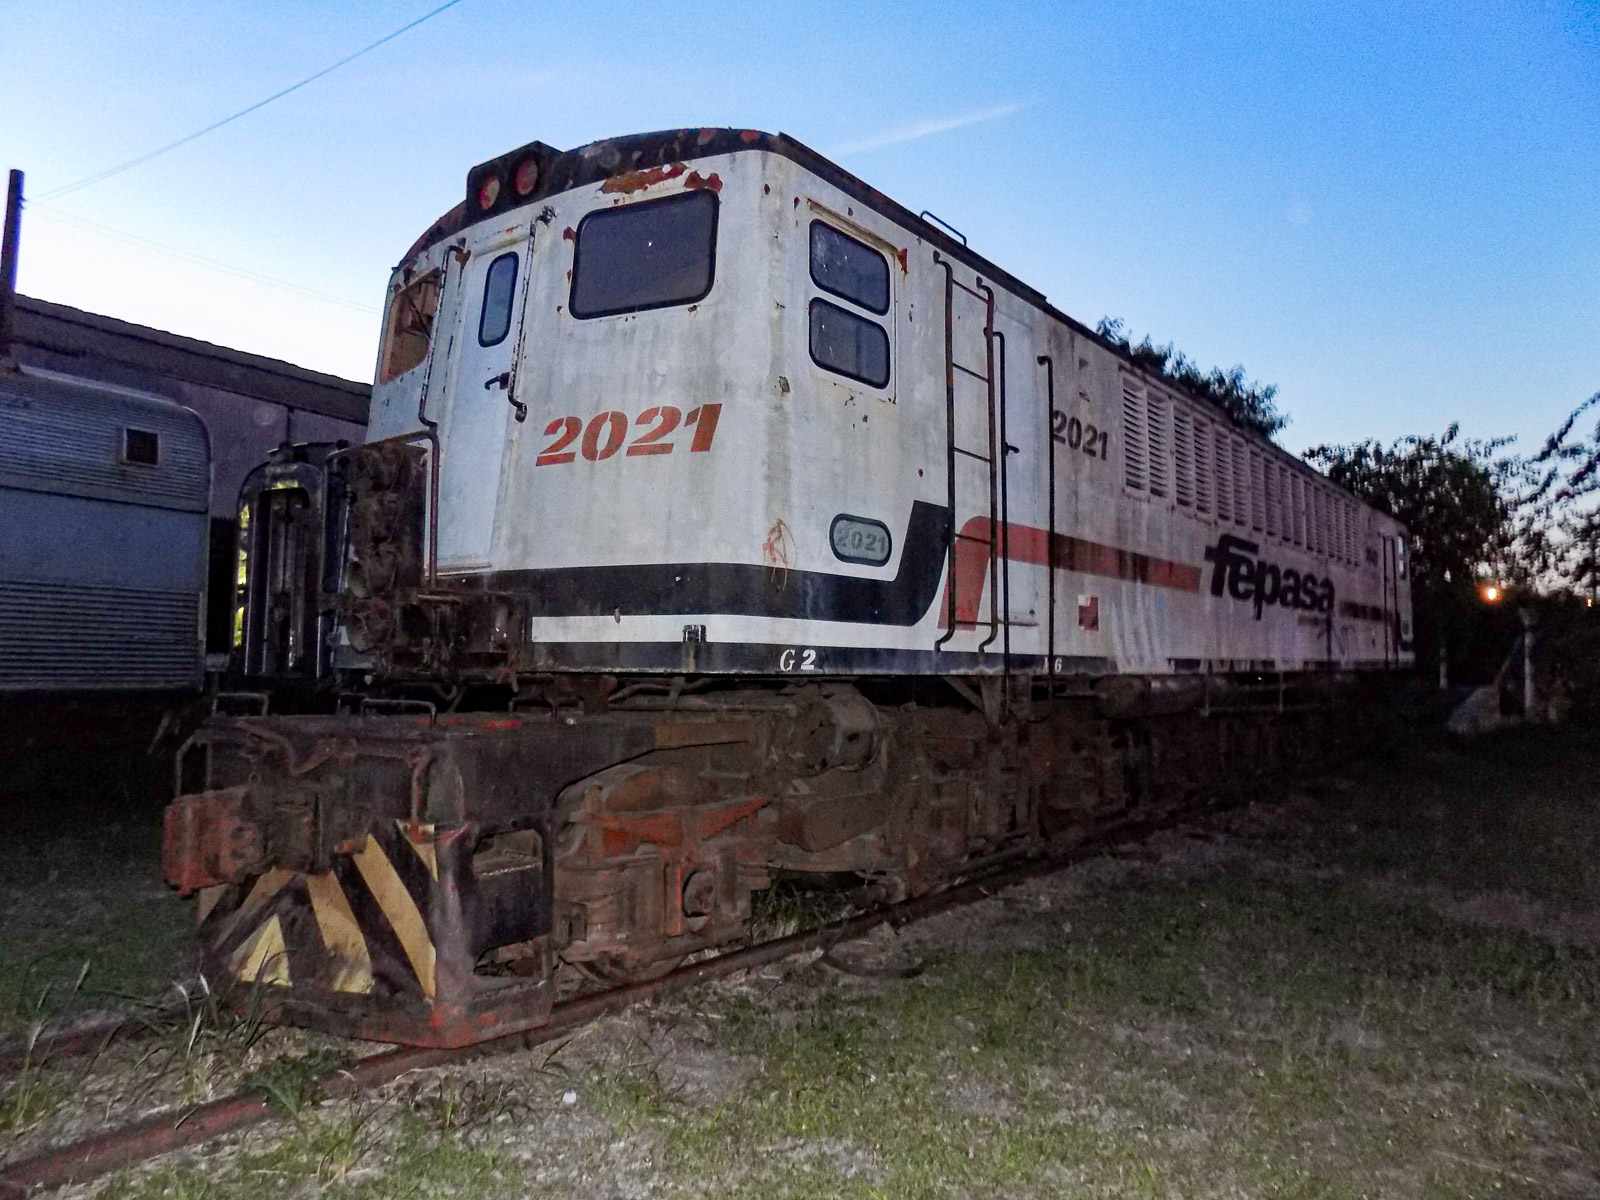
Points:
(606, 431)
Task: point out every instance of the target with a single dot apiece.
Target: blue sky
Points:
(1391, 211)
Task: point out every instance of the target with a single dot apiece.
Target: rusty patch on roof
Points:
(637, 181)
(710, 183)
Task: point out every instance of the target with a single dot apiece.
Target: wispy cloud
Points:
(918, 130)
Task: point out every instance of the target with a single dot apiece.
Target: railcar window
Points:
(848, 268)
(851, 345)
(409, 327)
(142, 447)
(649, 255)
(494, 321)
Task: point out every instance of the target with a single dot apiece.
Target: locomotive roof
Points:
(596, 162)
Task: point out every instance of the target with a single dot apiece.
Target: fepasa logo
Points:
(1237, 566)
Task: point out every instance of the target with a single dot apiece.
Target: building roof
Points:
(57, 329)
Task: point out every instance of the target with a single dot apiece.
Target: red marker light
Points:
(488, 192)
(527, 176)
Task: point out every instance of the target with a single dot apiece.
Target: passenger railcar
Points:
(104, 493)
(742, 523)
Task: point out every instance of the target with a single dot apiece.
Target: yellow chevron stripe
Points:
(266, 887)
(425, 850)
(397, 905)
(262, 959)
(341, 934)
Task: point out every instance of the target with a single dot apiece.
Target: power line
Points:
(87, 181)
(211, 263)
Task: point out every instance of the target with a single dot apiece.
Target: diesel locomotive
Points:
(722, 521)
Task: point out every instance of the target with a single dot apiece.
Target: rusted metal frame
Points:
(431, 428)
(1045, 361)
(520, 409)
(950, 437)
(987, 294)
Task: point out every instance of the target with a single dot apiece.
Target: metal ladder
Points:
(993, 459)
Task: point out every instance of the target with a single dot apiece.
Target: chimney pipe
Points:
(8, 262)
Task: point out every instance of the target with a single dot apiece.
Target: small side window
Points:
(851, 345)
(860, 540)
(409, 327)
(848, 268)
(141, 447)
(494, 322)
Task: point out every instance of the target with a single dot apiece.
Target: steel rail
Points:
(162, 1132)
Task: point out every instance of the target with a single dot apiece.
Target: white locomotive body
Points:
(719, 390)
(702, 480)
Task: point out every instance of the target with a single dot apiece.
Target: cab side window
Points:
(844, 337)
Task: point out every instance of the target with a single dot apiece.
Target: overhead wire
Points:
(140, 160)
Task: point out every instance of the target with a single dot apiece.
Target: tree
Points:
(1247, 403)
(1556, 540)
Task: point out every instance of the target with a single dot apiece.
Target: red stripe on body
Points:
(1027, 544)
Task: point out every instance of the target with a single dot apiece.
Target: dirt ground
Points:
(1380, 983)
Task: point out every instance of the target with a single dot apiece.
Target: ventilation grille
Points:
(1157, 414)
(1135, 454)
(56, 635)
(1183, 457)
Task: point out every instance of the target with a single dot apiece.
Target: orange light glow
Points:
(1491, 593)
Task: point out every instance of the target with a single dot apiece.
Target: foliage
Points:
(1557, 528)
(1248, 404)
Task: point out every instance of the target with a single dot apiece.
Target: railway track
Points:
(158, 1134)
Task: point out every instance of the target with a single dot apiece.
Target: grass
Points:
(85, 920)
(1250, 1028)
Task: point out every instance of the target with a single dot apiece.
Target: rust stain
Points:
(570, 234)
(901, 255)
(775, 551)
(749, 136)
(705, 136)
(637, 181)
(697, 182)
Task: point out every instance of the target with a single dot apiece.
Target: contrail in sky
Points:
(921, 129)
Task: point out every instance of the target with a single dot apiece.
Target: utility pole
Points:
(8, 262)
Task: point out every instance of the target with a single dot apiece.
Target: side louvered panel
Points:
(1241, 482)
(1203, 472)
(1258, 492)
(1274, 493)
(1135, 446)
(1224, 469)
(1182, 456)
(1158, 429)
(59, 636)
